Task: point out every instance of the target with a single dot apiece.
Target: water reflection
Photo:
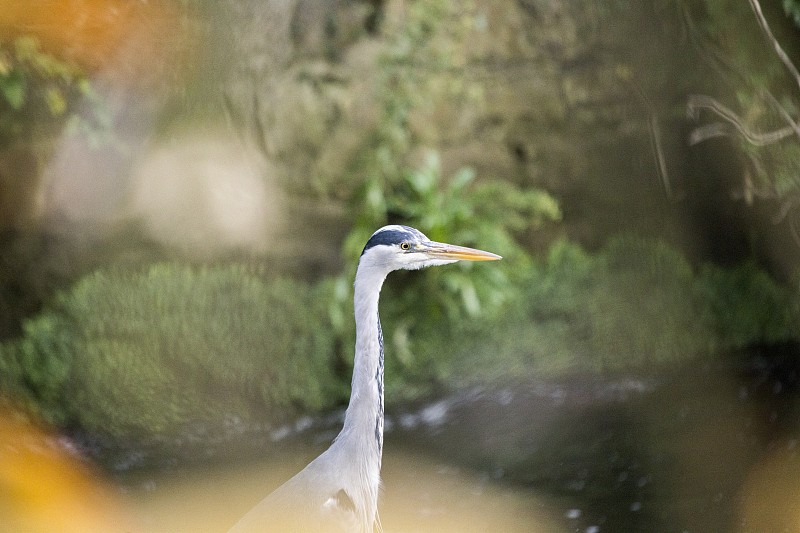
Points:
(690, 450)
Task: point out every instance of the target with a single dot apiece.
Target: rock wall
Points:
(570, 97)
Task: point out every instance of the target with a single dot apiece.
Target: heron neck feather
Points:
(366, 400)
(363, 422)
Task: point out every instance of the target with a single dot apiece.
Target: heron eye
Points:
(404, 246)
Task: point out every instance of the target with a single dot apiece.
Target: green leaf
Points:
(462, 178)
(56, 101)
(14, 89)
(792, 9)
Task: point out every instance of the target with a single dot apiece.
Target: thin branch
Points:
(655, 139)
(725, 68)
(697, 102)
(781, 110)
(709, 131)
(758, 166)
(762, 21)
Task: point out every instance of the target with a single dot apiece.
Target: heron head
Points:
(402, 247)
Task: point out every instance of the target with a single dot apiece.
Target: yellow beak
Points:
(439, 250)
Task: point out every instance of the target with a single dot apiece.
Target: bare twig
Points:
(726, 68)
(761, 172)
(762, 21)
(781, 110)
(709, 131)
(655, 139)
(698, 102)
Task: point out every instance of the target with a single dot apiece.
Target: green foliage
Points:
(632, 307)
(420, 68)
(784, 161)
(38, 365)
(39, 92)
(629, 306)
(460, 211)
(744, 304)
(792, 8)
(141, 354)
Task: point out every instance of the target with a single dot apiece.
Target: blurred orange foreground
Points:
(128, 41)
(43, 488)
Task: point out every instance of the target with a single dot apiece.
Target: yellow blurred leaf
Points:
(56, 102)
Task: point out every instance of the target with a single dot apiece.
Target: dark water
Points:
(685, 450)
(711, 447)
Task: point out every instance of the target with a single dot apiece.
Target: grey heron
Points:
(338, 491)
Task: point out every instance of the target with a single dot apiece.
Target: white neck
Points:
(365, 411)
(363, 421)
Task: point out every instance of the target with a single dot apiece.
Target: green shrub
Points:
(744, 305)
(634, 306)
(143, 354)
(35, 368)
